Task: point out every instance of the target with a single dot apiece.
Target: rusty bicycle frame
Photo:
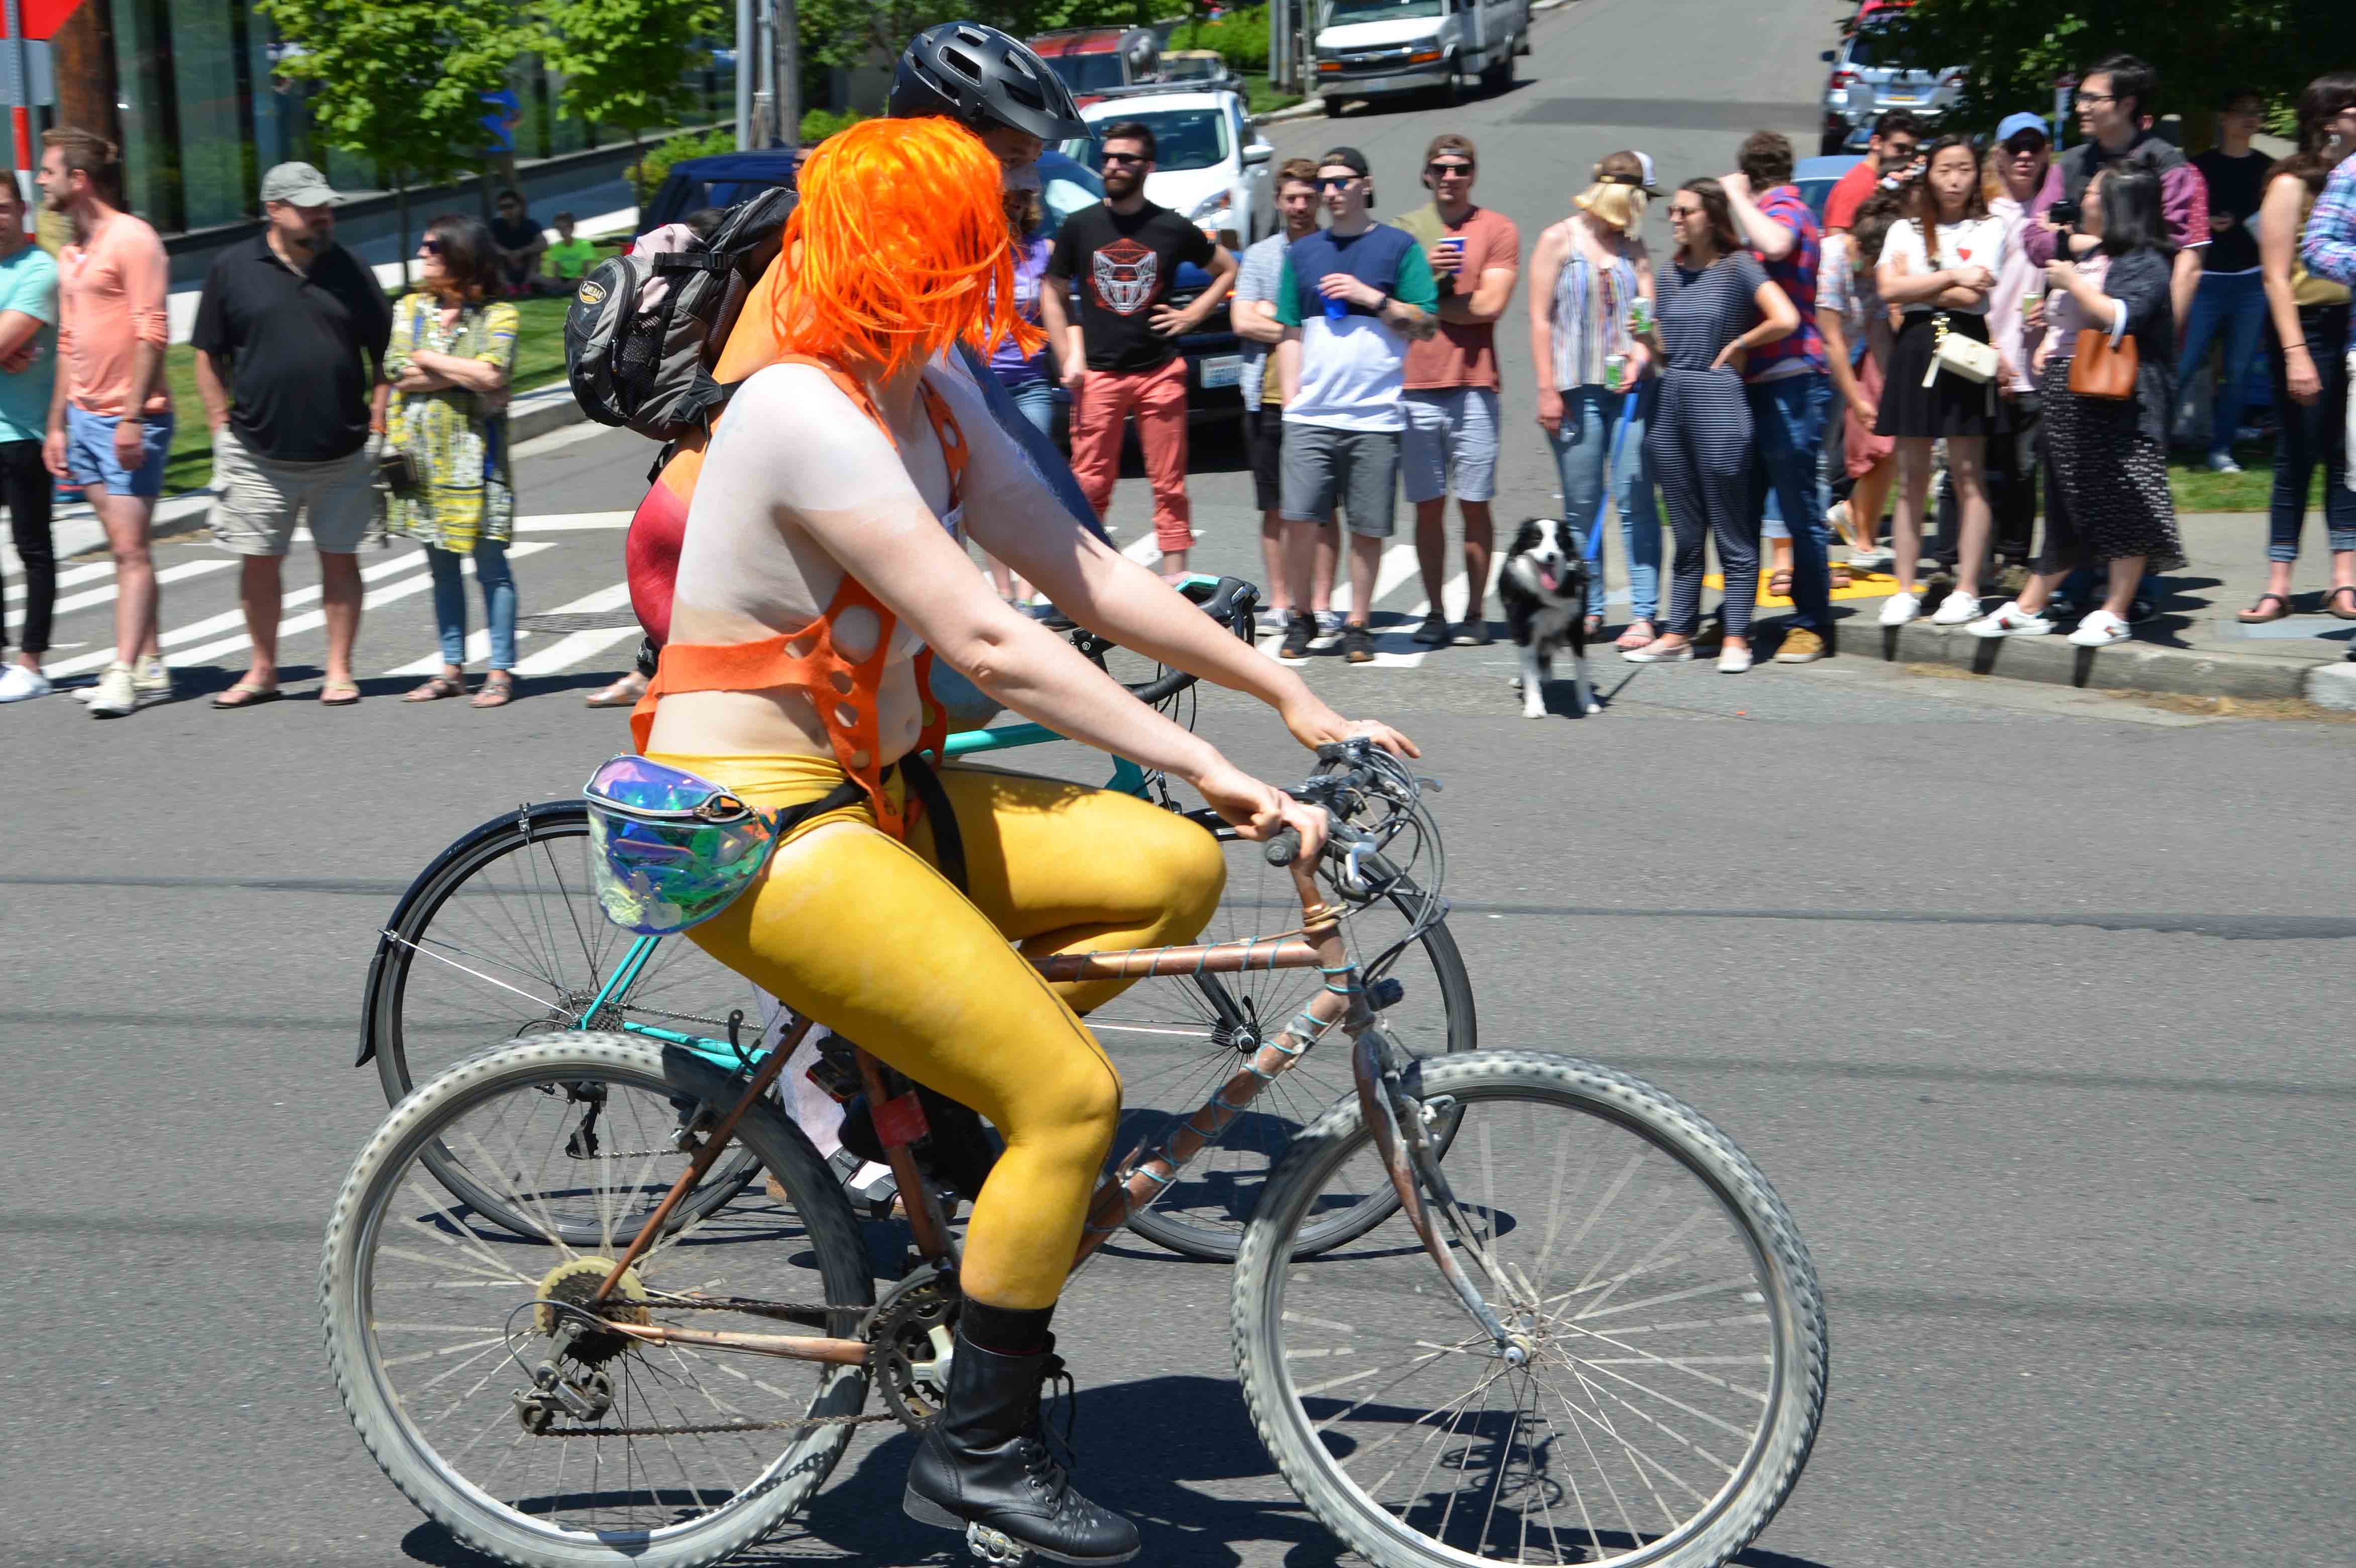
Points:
(1150, 1168)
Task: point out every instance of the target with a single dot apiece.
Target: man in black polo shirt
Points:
(285, 326)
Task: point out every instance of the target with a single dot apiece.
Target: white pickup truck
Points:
(1366, 48)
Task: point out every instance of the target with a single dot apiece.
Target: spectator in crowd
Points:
(1892, 155)
(1351, 297)
(2229, 299)
(1587, 275)
(1716, 306)
(519, 245)
(453, 351)
(2015, 173)
(2115, 101)
(289, 339)
(567, 261)
(1788, 388)
(110, 424)
(2107, 457)
(29, 364)
(1857, 344)
(1939, 266)
(1024, 376)
(1123, 352)
(1450, 441)
(2329, 248)
(2307, 333)
(1253, 312)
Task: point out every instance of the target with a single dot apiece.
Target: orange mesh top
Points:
(843, 689)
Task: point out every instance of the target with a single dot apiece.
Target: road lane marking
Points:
(70, 576)
(179, 573)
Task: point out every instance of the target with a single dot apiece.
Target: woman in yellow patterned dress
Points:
(451, 356)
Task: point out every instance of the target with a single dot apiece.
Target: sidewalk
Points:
(2195, 647)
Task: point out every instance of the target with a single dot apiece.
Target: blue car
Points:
(1816, 177)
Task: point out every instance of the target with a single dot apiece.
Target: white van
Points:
(1370, 47)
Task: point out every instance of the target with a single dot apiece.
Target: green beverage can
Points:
(1616, 371)
(1640, 317)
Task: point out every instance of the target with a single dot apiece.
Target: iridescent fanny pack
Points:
(669, 849)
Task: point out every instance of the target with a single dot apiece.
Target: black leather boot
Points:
(985, 1468)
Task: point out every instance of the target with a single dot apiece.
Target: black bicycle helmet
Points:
(980, 78)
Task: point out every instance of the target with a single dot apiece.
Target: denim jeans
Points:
(1593, 421)
(2311, 435)
(498, 601)
(1787, 419)
(1036, 400)
(2233, 305)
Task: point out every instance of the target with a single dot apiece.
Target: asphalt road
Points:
(2032, 1003)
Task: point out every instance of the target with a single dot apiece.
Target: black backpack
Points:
(649, 367)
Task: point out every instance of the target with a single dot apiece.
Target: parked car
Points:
(1094, 59)
(1213, 352)
(1865, 84)
(1209, 166)
(722, 180)
(1199, 67)
(1367, 49)
(1816, 177)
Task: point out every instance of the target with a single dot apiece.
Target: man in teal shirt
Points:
(28, 366)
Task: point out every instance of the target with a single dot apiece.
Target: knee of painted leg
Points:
(1183, 873)
(1072, 1101)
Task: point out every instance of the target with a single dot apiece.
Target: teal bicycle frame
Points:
(1128, 778)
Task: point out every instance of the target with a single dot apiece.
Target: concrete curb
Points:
(2125, 667)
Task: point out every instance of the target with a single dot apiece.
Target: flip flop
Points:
(1631, 637)
(496, 692)
(2259, 614)
(435, 689)
(2332, 606)
(340, 693)
(1778, 584)
(245, 697)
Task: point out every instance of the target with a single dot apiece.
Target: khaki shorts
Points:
(259, 501)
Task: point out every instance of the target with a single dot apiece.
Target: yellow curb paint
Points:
(1862, 586)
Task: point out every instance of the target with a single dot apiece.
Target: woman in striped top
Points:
(1588, 273)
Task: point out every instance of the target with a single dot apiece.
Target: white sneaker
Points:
(2009, 619)
(1733, 660)
(19, 684)
(114, 696)
(1269, 622)
(2100, 630)
(152, 677)
(1957, 608)
(1329, 629)
(1654, 653)
(1899, 608)
(1874, 560)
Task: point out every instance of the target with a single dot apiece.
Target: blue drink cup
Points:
(1337, 307)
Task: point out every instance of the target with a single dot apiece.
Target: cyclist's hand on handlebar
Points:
(1257, 811)
(1314, 725)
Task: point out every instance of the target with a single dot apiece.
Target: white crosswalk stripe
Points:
(169, 575)
(176, 640)
(69, 578)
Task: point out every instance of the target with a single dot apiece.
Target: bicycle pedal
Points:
(995, 1547)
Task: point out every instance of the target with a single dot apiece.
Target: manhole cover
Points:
(599, 620)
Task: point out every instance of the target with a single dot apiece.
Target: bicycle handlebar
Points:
(1231, 601)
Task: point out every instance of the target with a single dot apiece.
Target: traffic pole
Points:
(20, 72)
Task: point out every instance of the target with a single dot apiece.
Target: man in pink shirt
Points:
(111, 416)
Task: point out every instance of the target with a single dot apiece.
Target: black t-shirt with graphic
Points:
(1125, 265)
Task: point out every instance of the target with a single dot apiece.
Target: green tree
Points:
(2012, 51)
(625, 62)
(400, 82)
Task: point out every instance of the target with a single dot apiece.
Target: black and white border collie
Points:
(1544, 585)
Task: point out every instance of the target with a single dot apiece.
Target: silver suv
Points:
(1864, 85)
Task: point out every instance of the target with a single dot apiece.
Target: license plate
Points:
(1225, 370)
(1900, 98)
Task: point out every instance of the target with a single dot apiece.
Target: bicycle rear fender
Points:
(545, 810)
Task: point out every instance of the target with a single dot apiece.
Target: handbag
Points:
(669, 849)
(2103, 368)
(1967, 356)
(396, 470)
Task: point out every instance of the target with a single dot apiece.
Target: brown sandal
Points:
(1778, 584)
(2332, 603)
(2259, 614)
(499, 690)
(434, 690)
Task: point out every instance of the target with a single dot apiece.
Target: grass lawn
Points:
(1262, 99)
(540, 360)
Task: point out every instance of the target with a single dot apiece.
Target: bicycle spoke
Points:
(1602, 1443)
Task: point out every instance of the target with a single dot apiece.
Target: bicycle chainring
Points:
(911, 1337)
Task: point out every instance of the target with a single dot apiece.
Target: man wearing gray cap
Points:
(290, 339)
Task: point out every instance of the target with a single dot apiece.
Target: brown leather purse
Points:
(2101, 370)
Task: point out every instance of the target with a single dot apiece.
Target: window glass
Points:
(1184, 138)
(216, 186)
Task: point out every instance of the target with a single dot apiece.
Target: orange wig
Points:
(904, 248)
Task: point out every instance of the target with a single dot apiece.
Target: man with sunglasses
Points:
(1450, 440)
(1351, 299)
(1121, 355)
